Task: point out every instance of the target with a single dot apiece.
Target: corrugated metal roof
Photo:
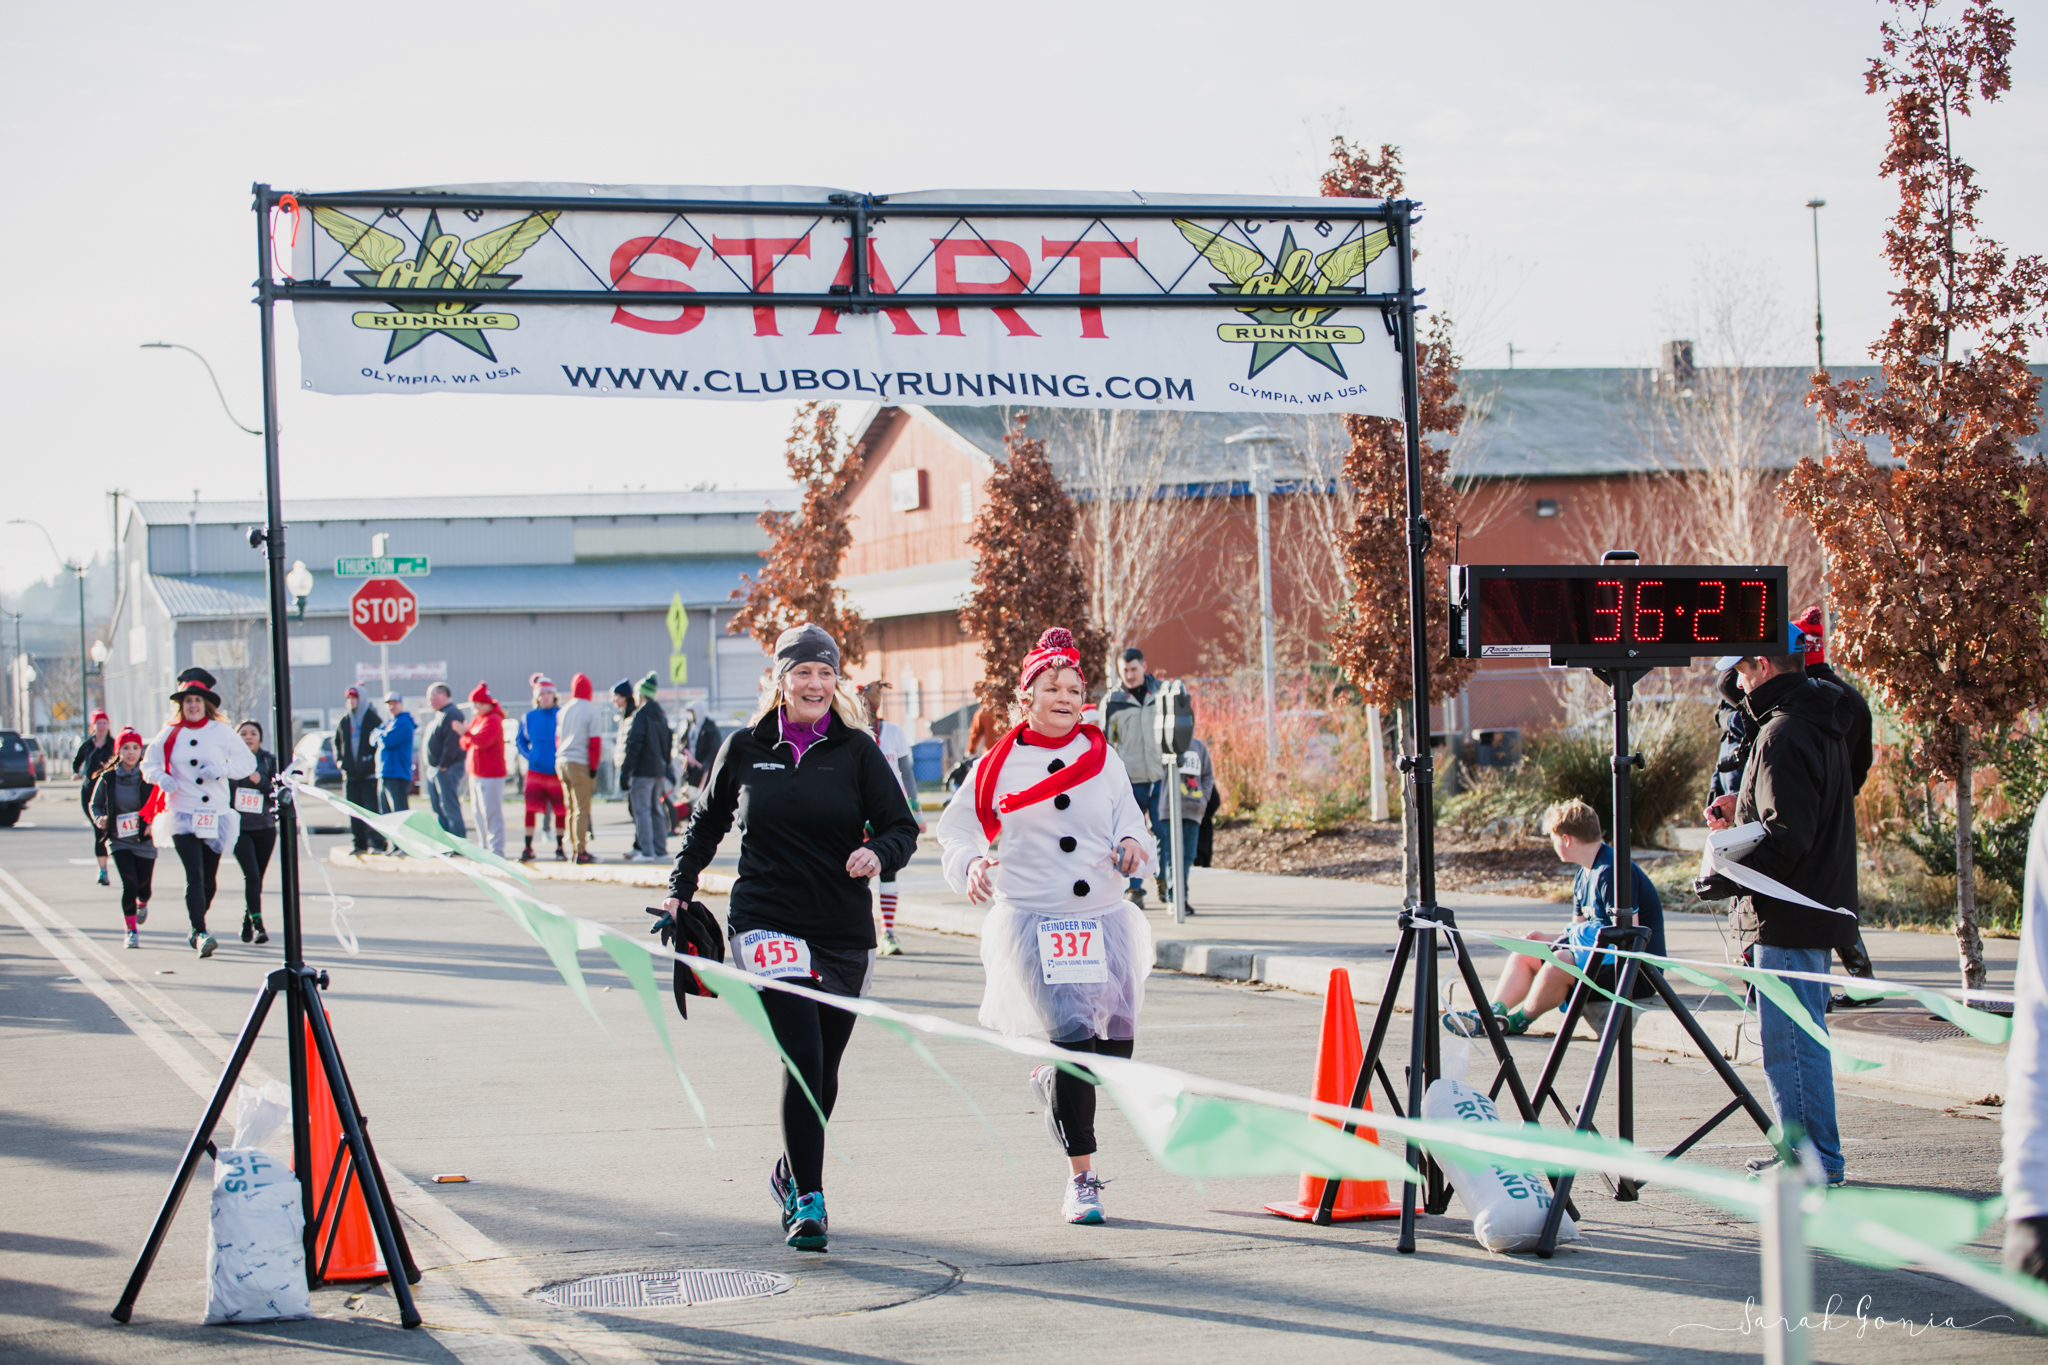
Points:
(1524, 424)
(706, 502)
(635, 585)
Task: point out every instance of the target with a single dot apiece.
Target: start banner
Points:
(359, 266)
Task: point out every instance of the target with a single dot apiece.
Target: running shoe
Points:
(248, 930)
(632, 855)
(142, 913)
(1836, 1182)
(103, 876)
(134, 939)
(526, 854)
(1083, 1201)
(807, 1223)
(206, 945)
(783, 1186)
(1846, 1001)
(560, 856)
(584, 860)
(1042, 1079)
(1757, 1165)
(261, 937)
(890, 947)
(1464, 1023)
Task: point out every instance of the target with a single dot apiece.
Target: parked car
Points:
(17, 776)
(36, 759)
(315, 750)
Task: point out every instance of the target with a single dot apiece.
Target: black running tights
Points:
(136, 872)
(252, 854)
(815, 1037)
(1073, 1099)
(202, 873)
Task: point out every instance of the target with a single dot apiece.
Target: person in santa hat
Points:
(95, 754)
(484, 741)
(577, 745)
(535, 739)
(1044, 831)
(192, 761)
(119, 796)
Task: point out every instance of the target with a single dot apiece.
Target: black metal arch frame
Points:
(301, 985)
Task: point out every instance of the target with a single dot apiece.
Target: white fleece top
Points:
(204, 759)
(1035, 870)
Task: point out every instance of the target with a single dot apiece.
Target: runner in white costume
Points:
(1045, 827)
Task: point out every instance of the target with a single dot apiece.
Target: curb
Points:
(618, 874)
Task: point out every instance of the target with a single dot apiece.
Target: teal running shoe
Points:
(807, 1223)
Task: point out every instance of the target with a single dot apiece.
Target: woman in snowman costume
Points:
(1046, 829)
(191, 761)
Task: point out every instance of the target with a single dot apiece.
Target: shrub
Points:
(1323, 777)
(1677, 742)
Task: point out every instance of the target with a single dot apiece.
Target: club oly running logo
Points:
(1273, 332)
(432, 265)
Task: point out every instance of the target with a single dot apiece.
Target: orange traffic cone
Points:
(355, 1255)
(1339, 1054)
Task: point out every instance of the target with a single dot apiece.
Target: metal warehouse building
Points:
(551, 583)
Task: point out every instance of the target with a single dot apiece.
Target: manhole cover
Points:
(664, 1288)
(1909, 1025)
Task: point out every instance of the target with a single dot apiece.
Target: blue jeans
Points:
(394, 793)
(444, 793)
(1799, 1071)
(1144, 792)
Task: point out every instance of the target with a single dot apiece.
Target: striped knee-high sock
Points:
(888, 912)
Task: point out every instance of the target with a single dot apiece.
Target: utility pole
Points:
(1820, 364)
(1261, 440)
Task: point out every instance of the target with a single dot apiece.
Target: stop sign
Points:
(383, 611)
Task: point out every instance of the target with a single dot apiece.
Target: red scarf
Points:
(156, 804)
(990, 811)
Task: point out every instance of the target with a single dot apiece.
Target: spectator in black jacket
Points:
(807, 782)
(1796, 784)
(643, 765)
(95, 752)
(357, 759)
(444, 760)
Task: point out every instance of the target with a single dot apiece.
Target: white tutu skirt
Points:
(171, 823)
(1017, 1001)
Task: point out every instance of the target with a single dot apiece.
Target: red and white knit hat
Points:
(1055, 650)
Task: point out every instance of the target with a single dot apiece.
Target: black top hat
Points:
(195, 682)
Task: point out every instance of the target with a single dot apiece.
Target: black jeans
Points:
(815, 1037)
(1073, 1099)
(362, 791)
(202, 875)
(136, 873)
(252, 854)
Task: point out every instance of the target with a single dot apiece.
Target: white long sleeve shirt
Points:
(1051, 859)
(2024, 1171)
(204, 759)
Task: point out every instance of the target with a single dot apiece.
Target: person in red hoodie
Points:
(485, 742)
(577, 744)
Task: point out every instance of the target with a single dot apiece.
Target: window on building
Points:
(913, 700)
(907, 490)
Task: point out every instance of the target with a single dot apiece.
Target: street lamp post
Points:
(174, 346)
(1820, 364)
(75, 567)
(1260, 439)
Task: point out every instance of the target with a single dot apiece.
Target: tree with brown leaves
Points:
(1939, 558)
(1027, 576)
(799, 578)
(1371, 644)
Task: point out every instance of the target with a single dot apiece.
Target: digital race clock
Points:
(1615, 612)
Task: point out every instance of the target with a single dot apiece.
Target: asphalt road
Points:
(584, 1158)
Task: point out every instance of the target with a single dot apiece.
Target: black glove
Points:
(1715, 887)
(664, 925)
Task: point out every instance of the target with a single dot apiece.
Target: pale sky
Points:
(1578, 161)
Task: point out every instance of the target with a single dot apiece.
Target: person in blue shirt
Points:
(393, 741)
(1527, 991)
(535, 740)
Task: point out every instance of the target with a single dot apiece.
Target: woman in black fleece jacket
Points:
(821, 813)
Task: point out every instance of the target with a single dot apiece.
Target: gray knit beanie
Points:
(804, 644)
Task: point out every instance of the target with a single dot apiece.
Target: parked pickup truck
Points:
(17, 777)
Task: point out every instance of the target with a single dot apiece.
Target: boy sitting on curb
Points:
(1525, 991)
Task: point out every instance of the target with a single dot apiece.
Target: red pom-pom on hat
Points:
(1055, 649)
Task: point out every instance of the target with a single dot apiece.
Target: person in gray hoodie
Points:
(578, 740)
